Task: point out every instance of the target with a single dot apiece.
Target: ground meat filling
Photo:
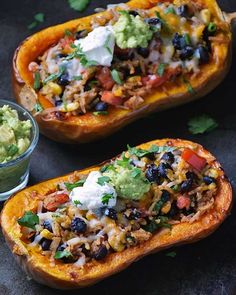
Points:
(69, 227)
(178, 45)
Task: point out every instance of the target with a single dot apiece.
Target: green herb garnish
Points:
(136, 172)
(77, 202)
(70, 186)
(62, 254)
(29, 219)
(189, 86)
(154, 225)
(79, 5)
(202, 124)
(38, 18)
(53, 77)
(37, 82)
(107, 167)
(116, 77)
(212, 27)
(38, 107)
(170, 10)
(171, 254)
(123, 162)
(103, 113)
(153, 149)
(187, 39)
(106, 198)
(161, 69)
(78, 53)
(106, 45)
(68, 33)
(163, 22)
(102, 180)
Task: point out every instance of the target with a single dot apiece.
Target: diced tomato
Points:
(194, 159)
(154, 80)
(52, 202)
(65, 43)
(183, 202)
(110, 98)
(105, 78)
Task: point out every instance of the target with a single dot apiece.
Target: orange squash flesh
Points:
(85, 128)
(68, 276)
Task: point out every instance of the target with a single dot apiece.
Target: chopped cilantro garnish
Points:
(77, 202)
(38, 107)
(68, 33)
(116, 77)
(29, 219)
(71, 186)
(189, 86)
(38, 18)
(106, 198)
(212, 27)
(187, 39)
(102, 180)
(170, 10)
(53, 77)
(162, 221)
(153, 149)
(107, 167)
(161, 69)
(106, 45)
(163, 22)
(62, 254)
(171, 254)
(202, 124)
(136, 172)
(79, 5)
(123, 162)
(37, 83)
(78, 53)
(100, 113)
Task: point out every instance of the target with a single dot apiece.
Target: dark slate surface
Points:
(207, 267)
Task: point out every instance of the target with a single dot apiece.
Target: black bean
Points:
(183, 11)
(63, 80)
(61, 55)
(174, 210)
(153, 21)
(186, 52)
(101, 106)
(168, 157)
(191, 175)
(144, 52)
(152, 173)
(133, 12)
(78, 225)
(133, 214)
(162, 169)
(186, 186)
(85, 251)
(101, 253)
(165, 197)
(178, 41)
(203, 54)
(45, 244)
(47, 224)
(81, 34)
(208, 180)
(110, 212)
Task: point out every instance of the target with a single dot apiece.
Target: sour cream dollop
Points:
(91, 195)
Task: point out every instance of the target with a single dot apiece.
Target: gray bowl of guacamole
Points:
(18, 138)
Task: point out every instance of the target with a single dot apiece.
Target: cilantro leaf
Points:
(106, 45)
(100, 113)
(79, 5)
(153, 149)
(136, 172)
(107, 167)
(37, 83)
(53, 77)
(102, 180)
(68, 33)
(161, 69)
(70, 186)
(123, 162)
(154, 225)
(189, 86)
(38, 107)
(77, 202)
(29, 219)
(78, 53)
(62, 254)
(171, 254)
(116, 77)
(202, 124)
(106, 198)
(39, 17)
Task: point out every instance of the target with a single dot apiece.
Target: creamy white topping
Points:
(99, 45)
(91, 195)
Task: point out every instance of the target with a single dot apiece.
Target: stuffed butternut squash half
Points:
(76, 230)
(87, 78)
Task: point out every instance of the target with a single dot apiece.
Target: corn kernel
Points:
(118, 91)
(166, 208)
(135, 79)
(56, 89)
(69, 107)
(205, 15)
(46, 234)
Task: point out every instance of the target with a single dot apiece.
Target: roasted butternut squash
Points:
(88, 127)
(61, 275)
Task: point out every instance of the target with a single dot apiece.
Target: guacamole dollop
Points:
(129, 182)
(14, 134)
(131, 32)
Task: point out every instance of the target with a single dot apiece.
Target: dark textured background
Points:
(207, 267)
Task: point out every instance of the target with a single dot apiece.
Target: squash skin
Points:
(66, 276)
(87, 128)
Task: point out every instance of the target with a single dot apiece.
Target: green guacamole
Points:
(14, 134)
(131, 32)
(129, 182)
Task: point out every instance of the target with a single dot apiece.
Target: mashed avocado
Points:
(129, 182)
(131, 32)
(14, 134)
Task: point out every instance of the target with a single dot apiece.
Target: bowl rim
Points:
(35, 132)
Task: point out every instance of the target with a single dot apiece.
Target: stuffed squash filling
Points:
(123, 57)
(138, 194)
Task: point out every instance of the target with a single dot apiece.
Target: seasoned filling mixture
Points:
(125, 55)
(133, 197)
